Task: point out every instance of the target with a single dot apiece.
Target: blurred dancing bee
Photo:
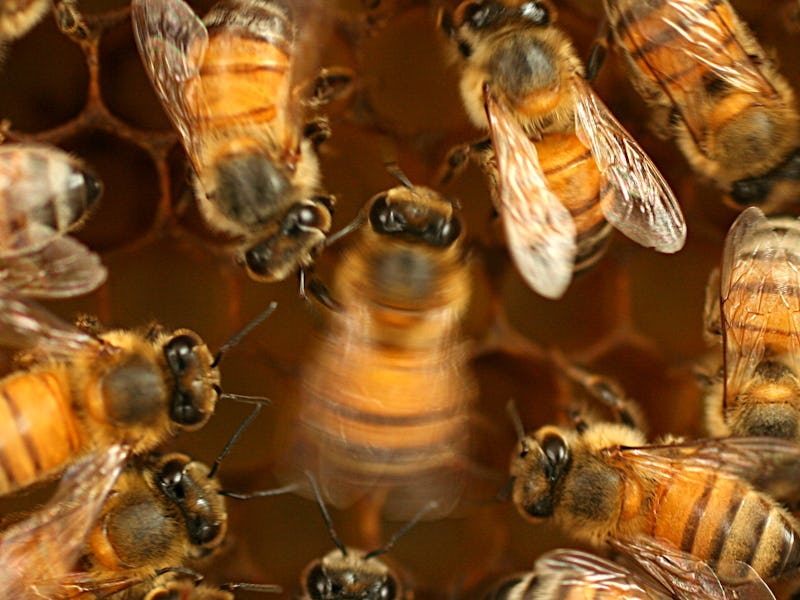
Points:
(87, 392)
(601, 483)
(228, 85)
(751, 308)
(712, 86)
(565, 170)
(578, 575)
(385, 394)
(38, 552)
(44, 194)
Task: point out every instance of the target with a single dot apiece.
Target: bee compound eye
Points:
(171, 480)
(179, 352)
(450, 231)
(556, 454)
(317, 583)
(93, 188)
(258, 259)
(388, 589)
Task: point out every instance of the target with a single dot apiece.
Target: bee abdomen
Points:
(244, 76)
(574, 177)
(779, 257)
(38, 433)
(726, 520)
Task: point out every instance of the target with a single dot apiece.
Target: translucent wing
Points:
(172, 42)
(539, 229)
(643, 206)
(46, 546)
(691, 34)
(26, 325)
(759, 295)
(62, 269)
(763, 461)
(564, 573)
(688, 578)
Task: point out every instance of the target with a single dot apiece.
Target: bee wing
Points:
(575, 569)
(62, 269)
(45, 546)
(26, 325)
(92, 585)
(172, 42)
(688, 578)
(759, 298)
(766, 462)
(643, 205)
(539, 229)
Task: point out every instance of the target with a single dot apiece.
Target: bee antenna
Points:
(516, 421)
(235, 339)
(259, 494)
(266, 588)
(395, 171)
(432, 505)
(325, 516)
(235, 438)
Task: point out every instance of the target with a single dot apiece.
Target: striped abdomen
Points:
(44, 192)
(244, 75)
(643, 32)
(574, 177)
(775, 301)
(38, 430)
(386, 393)
(724, 519)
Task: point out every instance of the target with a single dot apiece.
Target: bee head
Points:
(301, 233)
(195, 379)
(416, 215)
(537, 468)
(185, 484)
(350, 576)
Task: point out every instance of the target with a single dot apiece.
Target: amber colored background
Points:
(635, 317)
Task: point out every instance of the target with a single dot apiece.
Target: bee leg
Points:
(310, 283)
(317, 131)
(332, 83)
(598, 51)
(457, 158)
(606, 391)
(69, 20)
(712, 317)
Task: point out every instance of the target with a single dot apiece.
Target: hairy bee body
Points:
(733, 115)
(386, 391)
(226, 83)
(18, 17)
(118, 389)
(565, 170)
(604, 486)
(160, 514)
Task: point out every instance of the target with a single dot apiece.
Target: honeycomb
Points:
(636, 317)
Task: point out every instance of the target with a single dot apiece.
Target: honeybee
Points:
(36, 553)
(86, 392)
(44, 194)
(712, 86)
(162, 512)
(565, 170)
(227, 85)
(578, 575)
(753, 386)
(385, 394)
(601, 483)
